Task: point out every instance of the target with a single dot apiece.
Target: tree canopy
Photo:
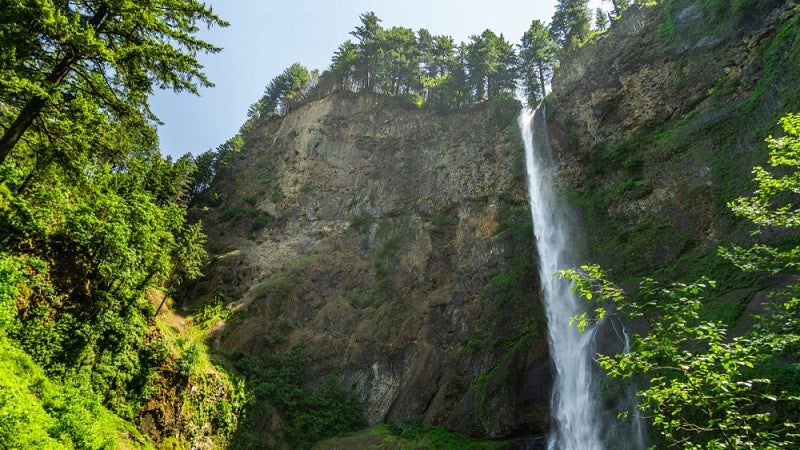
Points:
(75, 76)
(537, 55)
(282, 91)
(571, 23)
(92, 218)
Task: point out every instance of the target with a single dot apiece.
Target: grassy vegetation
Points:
(276, 384)
(723, 14)
(210, 397)
(408, 435)
(281, 284)
(258, 218)
(362, 222)
(512, 283)
(36, 412)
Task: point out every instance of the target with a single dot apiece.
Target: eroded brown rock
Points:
(394, 257)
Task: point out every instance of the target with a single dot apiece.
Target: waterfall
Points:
(576, 414)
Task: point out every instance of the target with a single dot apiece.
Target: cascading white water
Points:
(574, 408)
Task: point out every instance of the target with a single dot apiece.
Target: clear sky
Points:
(266, 36)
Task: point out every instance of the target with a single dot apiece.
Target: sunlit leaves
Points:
(76, 76)
(706, 388)
(762, 208)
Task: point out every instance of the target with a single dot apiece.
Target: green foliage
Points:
(280, 285)
(76, 77)
(361, 221)
(423, 69)
(407, 436)
(419, 436)
(763, 208)
(571, 23)
(511, 284)
(442, 220)
(190, 354)
(491, 66)
(537, 54)
(474, 341)
(276, 286)
(258, 219)
(704, 388)
(10, 275)
(600, 19)
(505, 109)
(36, 412)
(92, 218)
(211, 162)
(276, 194)
(284, 91)
(702, 391)
(211, 312)
(94, 244)
(307, 414)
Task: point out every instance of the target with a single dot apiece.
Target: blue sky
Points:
(266, 36)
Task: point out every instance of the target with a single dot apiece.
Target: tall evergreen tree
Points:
(425, 44)
(76, 75)
(571, 23)
(443, 55)
(367, 35)
(491, 65)
(282, 91)
(537, 55)
(344, 63)
(398, 61)
(600, 19)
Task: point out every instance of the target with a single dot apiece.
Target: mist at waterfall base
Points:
(580, 418)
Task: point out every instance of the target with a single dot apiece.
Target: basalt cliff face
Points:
(395, 246)
(659, 122)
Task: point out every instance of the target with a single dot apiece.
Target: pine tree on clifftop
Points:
(571, 23)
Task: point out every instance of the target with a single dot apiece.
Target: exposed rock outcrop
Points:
(395, 244)
(659, 121)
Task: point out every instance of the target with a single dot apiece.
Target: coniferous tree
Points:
(491, 65)
(600, 19)
(425, 45)
(443, 55)
(537, 55)
(284, 89)
(344, 63)
(571, 23)
(397, 67)
(618, 6)
(368, 45)
(91, 65)
(442, 72)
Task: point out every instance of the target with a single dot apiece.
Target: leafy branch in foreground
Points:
(704, 388)
(701, 388)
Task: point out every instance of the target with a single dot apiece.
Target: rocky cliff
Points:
(395, 246)
(659, 121)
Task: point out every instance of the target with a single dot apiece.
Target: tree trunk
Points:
(541, 78)
(34, 106)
